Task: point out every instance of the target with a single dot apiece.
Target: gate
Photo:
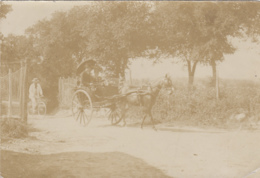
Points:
(66, 86)
(11, 94)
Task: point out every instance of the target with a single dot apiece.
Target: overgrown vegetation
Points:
(13, 128)
(238, 103)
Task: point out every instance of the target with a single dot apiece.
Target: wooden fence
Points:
(11, 94)
(66, 90)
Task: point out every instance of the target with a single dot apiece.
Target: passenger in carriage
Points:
(90, 75)
(87, 78)
(84, 73)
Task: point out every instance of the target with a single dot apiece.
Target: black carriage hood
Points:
(84, 65)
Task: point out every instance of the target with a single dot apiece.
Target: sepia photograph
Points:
(130, 89)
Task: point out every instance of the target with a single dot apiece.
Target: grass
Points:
(239, 101)
(13, 128)
(199, 107)
(75, 165)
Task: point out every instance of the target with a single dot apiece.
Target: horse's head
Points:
(167, 84)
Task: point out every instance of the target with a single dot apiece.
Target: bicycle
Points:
(40, 107)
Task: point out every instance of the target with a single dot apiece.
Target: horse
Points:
(144, 98)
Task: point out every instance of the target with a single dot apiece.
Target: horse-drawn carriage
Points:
(95, 91)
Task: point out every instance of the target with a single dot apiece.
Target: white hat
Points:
(35, 80)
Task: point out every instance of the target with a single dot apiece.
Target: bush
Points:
(238, 101)
(13, 128)
(200, 107)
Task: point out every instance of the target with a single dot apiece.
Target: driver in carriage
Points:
(93, 78)
(88, 72)
(87, 77)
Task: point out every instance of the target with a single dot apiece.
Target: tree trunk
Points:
(0, 79)
(0, 98)
(191, 72)
(191, 80)
(214, 72)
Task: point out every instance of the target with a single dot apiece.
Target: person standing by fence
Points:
(35, 92)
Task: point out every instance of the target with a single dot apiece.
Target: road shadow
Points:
(75, 165)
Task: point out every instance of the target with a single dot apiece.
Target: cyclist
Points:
(35, 92)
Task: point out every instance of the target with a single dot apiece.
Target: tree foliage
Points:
(16, 49)
(4, 9)
(108, 32)
(113, 32)
(199, 32)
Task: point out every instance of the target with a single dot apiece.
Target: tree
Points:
(108, 32)
(180, 32)
(113, 32)
(4, 9)
(16, 49)
(199, 32)
(226, 21)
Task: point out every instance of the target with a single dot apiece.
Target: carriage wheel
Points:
(82, 107)
(115, 114)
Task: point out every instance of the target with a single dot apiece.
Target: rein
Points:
(155, 83)
(156, 80)
(158, 85)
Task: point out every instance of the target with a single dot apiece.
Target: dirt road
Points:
(177, 152)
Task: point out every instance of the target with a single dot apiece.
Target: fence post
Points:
(10, 94)
(25, 92)
(25, 95)
(21, 91)
(0, 79)
(0, 88)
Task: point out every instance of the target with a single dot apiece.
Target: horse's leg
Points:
(123, 117)
(124, 110)
(150, 114)
(143, 121)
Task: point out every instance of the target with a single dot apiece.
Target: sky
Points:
(243, 64)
